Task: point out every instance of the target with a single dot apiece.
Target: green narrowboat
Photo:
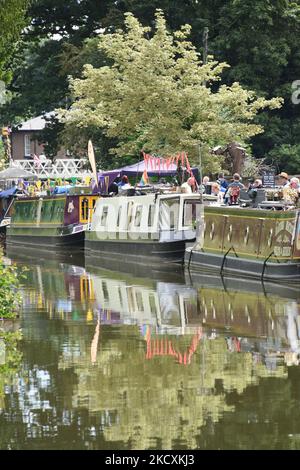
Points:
(256, 243)
(50, 221)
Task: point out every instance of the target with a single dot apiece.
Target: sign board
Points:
(268, 179)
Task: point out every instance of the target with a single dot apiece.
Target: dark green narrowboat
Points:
(50, 221)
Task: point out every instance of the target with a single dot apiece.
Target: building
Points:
(24, 140)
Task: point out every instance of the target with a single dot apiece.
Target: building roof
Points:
(35, 124)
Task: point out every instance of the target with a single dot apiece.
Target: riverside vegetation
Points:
(10, 356)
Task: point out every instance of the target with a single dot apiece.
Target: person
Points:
(205, 186)
(222, 181)
(217, 190)
(295, 184)
(236, 182)
(187, 186)
(234, 189)
(284, 179)
(124, 184)
(193, 183)
(291, 192)
(252, 191)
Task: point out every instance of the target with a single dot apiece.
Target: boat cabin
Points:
(162, 218)
(50, 220)
(154, 225)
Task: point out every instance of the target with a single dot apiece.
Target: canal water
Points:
(151, 360)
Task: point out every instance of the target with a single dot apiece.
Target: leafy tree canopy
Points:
(258, 38)
(157, 95)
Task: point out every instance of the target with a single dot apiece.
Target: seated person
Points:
(252, 191)
(295, 184)
(291, 193)
(284, 180)
(217, 190)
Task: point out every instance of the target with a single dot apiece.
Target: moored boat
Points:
(145, 229)
(255, 243)
(50, 221)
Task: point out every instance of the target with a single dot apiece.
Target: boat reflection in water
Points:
(130, 362)
(264, 319)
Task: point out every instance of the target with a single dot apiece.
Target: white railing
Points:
(61, 168)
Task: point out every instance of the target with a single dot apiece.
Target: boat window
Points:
(120, 296)
(84, 210)
(138, 216)
(169, 214)
(130, 213)
(191, 213)
(151, 215)
(104, 215)
(119, 216)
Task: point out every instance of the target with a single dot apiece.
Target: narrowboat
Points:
(50, 222)
(257, 243)
(146, 229)
(6, 201)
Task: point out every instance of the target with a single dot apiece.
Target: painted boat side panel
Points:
(71, 214)
(251, 234)
(38, 212)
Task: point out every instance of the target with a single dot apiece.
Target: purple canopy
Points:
(137, 169)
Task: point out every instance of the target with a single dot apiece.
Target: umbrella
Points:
(12, 173)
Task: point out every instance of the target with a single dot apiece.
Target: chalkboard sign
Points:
(268, 179)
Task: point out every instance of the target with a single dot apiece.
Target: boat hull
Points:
(52, 242)
(251, 268)
(139, 252)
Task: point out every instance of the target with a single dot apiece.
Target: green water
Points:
(151, 361)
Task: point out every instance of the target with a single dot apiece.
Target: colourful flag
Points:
(144, 180)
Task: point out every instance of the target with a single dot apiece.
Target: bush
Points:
(9, 296)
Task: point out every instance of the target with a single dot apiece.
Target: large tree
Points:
(258, 38)
(155, 94)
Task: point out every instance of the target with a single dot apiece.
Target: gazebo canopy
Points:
(13, 173)
(155, 168)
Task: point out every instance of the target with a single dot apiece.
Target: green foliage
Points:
(157, 95)
(12, 20)
(2, 156)
(258, 38)
(286, 157)
(9, 297)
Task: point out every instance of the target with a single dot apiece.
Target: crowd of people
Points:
(228, 192)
